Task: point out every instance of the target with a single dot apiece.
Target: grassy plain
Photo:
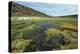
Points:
(27, 36)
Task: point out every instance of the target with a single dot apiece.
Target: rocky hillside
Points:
(20, 10)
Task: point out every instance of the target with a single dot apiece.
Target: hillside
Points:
(69, 16)
(19, 10)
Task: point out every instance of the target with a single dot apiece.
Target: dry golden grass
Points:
(69, 26)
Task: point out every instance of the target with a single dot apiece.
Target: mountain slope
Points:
(19, 10)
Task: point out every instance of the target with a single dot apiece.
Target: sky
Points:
(51, 8)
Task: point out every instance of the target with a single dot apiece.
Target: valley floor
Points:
(30, 34)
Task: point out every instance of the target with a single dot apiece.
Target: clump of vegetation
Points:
(52, 33)
(32, 27)
(61, 37)
(71, 33)
(19, 45)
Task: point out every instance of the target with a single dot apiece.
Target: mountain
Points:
(20, 10)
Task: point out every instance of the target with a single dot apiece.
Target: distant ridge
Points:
(20, 10)
(72, 16)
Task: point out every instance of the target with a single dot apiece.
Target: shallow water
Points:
(46, 25)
